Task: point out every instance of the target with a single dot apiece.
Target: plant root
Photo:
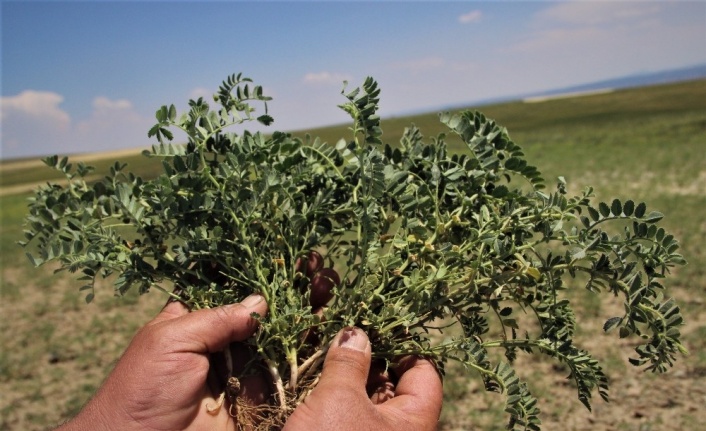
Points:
(264, 417)
(213, 409)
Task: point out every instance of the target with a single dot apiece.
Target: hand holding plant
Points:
(160, 381)
(423, 240)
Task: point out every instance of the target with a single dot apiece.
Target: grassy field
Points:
(646, 144)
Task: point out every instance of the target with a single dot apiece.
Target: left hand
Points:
(160, 381)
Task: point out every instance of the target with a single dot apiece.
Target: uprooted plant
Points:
(422, 240)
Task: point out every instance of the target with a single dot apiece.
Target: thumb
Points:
(339, 400)
(211, 329)
(348, 360)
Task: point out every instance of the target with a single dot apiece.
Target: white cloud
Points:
(597, 12)
(33, 123)
(578, 42)
(586, 25)
(325, 78)
(568, 39)
(113, 121)
(470, 17)
(105, 104)
(41, 105)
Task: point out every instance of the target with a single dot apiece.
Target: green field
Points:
(646, 144)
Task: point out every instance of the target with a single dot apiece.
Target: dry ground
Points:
(56, 350)
(639, 401)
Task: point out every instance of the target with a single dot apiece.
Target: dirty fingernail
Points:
(354, 339)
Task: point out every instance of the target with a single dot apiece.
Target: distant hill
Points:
(630, 81)
(638, 80)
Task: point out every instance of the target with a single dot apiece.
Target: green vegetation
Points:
(649, 148)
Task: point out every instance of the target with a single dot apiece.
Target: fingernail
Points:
(354, 339)
(252, 300)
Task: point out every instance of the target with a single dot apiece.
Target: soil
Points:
(56, 350)
(639, 400)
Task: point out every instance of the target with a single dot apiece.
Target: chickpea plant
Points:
(421, 240)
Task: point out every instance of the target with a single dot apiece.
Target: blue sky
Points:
(88, 76)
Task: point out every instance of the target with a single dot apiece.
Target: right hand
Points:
(340, 401)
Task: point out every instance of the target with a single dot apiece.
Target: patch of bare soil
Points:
(55, 349)
(10, 166)
(668, 185)
(14, 165)
(640, 401)
(30, 187)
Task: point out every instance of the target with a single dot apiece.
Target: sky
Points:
(88, 76)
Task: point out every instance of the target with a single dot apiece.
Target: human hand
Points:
(340, 400)
(160, 381)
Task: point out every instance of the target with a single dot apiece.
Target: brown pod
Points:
(310, 264)
(322, 285)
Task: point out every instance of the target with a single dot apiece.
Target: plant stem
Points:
(277, 380)
(304, 368)
(293, 369)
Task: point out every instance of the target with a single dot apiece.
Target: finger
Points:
(419, 390)
(347, 361)
(380, 386)
(171, 310)
(384, 392)
(210, 330)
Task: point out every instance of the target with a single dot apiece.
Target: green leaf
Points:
(653, 217)
(167, 134)
(34, 260)
(585, 221)
(628, 207)
(616, 207)
(594, 214)
(51, 161)
(179, 164)
(506, 311)
(604, 209)
(511, 323)
(667, 241)
(265, 119)
(640, 210)
(500, 191)
(153, 131)
(172, 113)
(161, 114)
(612, 323)
(659, 235)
